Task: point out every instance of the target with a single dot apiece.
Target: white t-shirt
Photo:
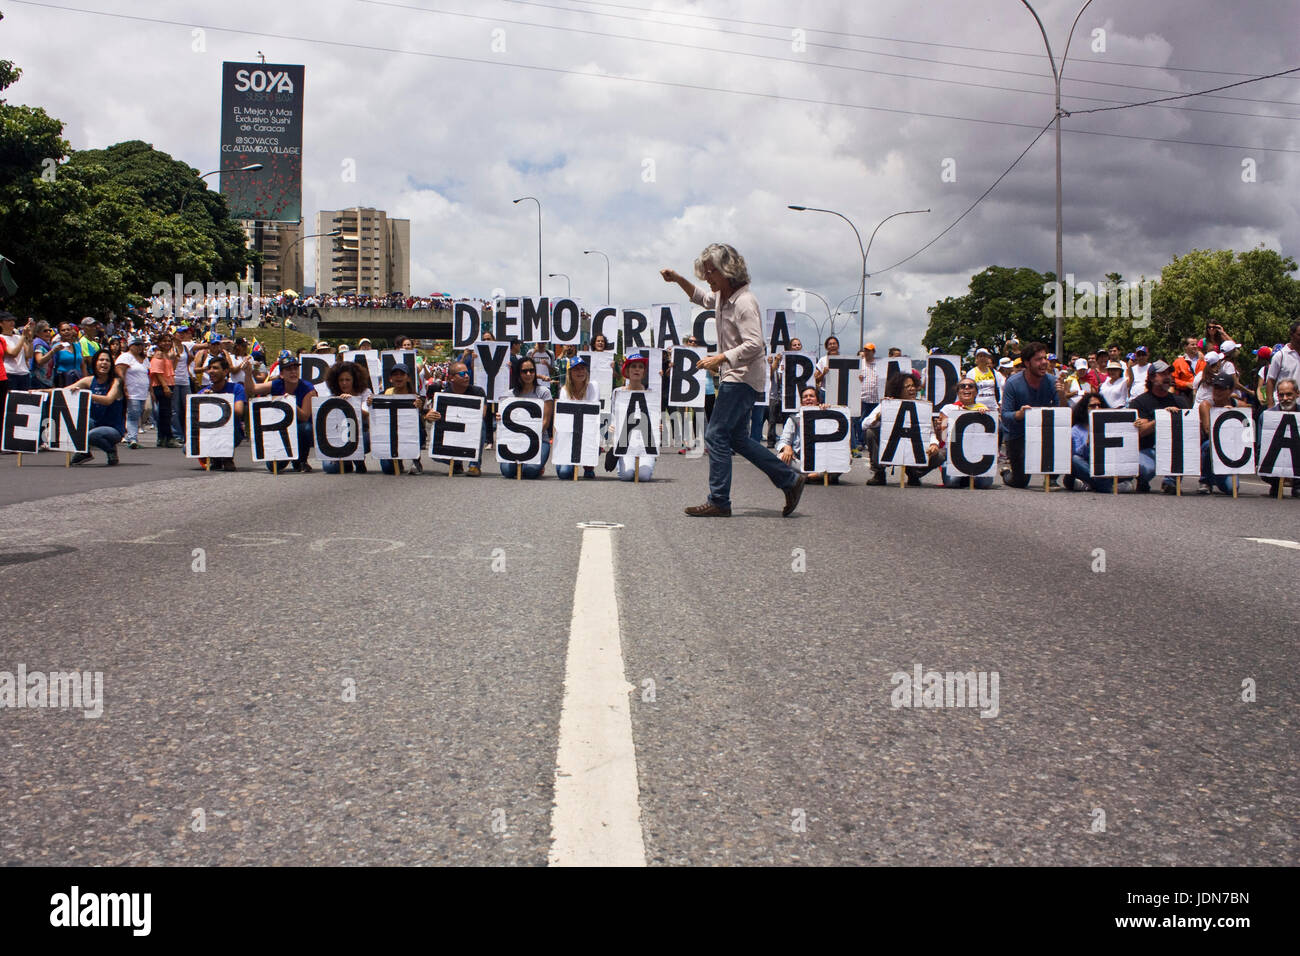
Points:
(1116, 393)
(1284, 364)
(136, 375)
(592, 394)
(1139, 378)
(182, 363)
(15, 364)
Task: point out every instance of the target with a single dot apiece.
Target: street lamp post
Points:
(284, 320)
(539, 238)
(597, 252)
(791, 288)
(1056, 79)
(568, 283)
(862, 285)
(252, 168)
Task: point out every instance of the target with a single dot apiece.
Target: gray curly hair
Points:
(726, 260)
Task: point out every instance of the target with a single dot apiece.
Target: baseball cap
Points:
(1212, 357)
(1221, 381)
(1005, 362)
(637, 356)
(1080, 363)
(289, 359)
(1264, 352)
(341, 349)
(870, 345)
(322, 345)
(1051, 356)
(1142, 349)
(580, 361)
(359, 341)
(1159, 365)
(983, 352)
(1228, 346)
(285, 355)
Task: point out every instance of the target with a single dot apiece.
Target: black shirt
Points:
(1146, 405)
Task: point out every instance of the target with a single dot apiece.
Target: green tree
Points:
(93, 232)
(1002, 304)
(1251, 294)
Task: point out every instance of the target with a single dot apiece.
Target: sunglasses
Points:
(461, 374)
(963, 388)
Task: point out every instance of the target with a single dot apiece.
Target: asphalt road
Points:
(761, 712)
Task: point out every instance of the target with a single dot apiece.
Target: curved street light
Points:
(568, 283)
(252, 168)
(284, 320)
(862, 285)
(1056, 79)
(539, 238)
(597, 252)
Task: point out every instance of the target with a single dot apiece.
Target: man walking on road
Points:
(741, 349)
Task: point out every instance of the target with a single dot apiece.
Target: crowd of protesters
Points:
(140, 368)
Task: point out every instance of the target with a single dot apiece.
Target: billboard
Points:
(261, 122)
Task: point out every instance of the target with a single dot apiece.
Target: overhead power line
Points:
(896, 56)
(787, 27)
(796, 61)
(644, 81)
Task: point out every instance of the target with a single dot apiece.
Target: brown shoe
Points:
(708, 510)
(792, 495)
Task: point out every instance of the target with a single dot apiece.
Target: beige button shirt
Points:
(740, 336)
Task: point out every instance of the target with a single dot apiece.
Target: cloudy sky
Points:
(649, 128)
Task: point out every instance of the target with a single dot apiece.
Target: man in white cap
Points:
(1137, 372)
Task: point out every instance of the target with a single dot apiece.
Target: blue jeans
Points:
(962, 481)
(510, 469)
(1081, 472)
(856, 422)
(1223, 482)
(305, 442)
(179, 391)
(756, 422)
(134, 412)
(1147, 468)
(331, 466)
(730, 431)
(565, 472)
(104, 438)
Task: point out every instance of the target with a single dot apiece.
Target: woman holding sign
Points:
(577, 387)
(107, 410)
(528, 387)
(345, 381)
(634, 372)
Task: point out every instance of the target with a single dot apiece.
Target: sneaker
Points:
(473, 471)
(173, 443)
(1068, 481)
(82, 457)
(1168, 488)
(913, 482)
(304, 467)
(710, 510)
(133, 445)
(877, 477)
(112, 458)
(1126, 486)
(589, 474)
(417, 468)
